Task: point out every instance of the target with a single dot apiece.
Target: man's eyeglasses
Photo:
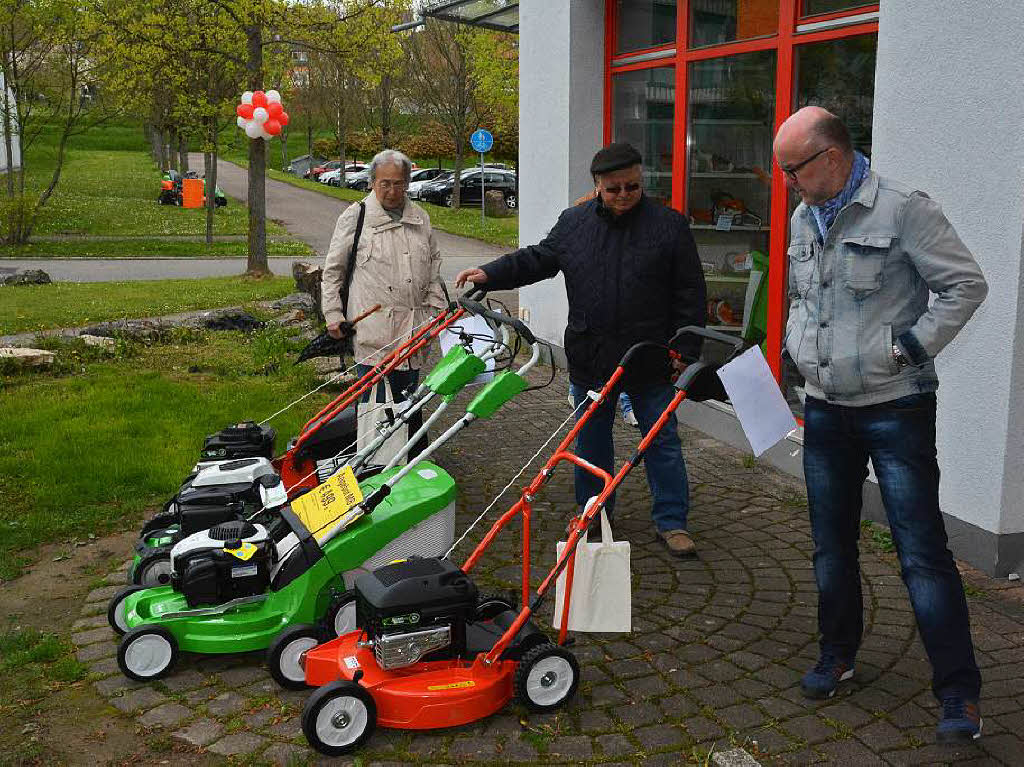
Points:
(389, 185)
(794, 169)
(629, 189)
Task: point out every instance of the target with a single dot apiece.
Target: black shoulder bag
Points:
(352, 259)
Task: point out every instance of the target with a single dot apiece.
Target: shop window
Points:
(814, 7)
(838, 75)
(643, 107)
(722, 21)
(644, 24)
(729, 155)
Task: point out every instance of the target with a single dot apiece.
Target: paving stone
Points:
(734, 757)
(516, 750)
(182, 681)
(226, 704)
(138, 700)
(472, 748)
(606, 694)
(742, 717)
(615, 745)
(880, 736)
(289, 729)
(847, 713)
(200, 733)
(104, 667)
(243, 675)
(167, 715)
(659, 736)
(718, 696)
(571, 747)
(103, 594)
(236, 743)
(701, 728)
(92, 622)
(116, 684)
(96, 651)
(932, 754)
(809, 728)
(287, 755)
(102, 634)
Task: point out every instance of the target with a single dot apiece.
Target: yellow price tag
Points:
(325, 507)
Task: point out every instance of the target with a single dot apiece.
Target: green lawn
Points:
(93, 451)
(151, 247)
(74, 304)
(109, 187)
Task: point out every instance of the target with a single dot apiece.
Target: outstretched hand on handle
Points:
(476, 276)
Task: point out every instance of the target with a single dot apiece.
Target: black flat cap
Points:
(615, 157)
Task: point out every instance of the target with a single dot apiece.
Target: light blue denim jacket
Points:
(866, 288)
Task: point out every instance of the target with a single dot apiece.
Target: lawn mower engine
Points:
(244, 440)
(227, 562)
(229, 482)
(417, 609)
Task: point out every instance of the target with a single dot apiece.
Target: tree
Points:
(443, 84)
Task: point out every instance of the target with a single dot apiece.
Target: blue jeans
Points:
(899, 438)
(666, 472)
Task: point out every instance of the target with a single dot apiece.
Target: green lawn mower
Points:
(241, 587)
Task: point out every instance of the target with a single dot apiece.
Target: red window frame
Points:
(784, 42)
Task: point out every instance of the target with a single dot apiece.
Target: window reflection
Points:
(643, 114)
(722, 21)
(812, 7)
(644, 24)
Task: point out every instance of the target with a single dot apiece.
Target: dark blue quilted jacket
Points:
(630, 278)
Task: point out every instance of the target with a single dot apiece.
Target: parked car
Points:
(315, 171)
(302, 165)
(417, 183)
(359, 181)
(470, 187)
(333, 177)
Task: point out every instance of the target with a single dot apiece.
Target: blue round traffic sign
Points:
(481, 140)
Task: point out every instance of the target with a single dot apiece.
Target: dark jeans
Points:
(899, 438)
(399, 381)
(666, 472)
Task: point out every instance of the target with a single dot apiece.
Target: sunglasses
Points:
(629, 189)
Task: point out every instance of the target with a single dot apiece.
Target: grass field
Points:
(91, 449)
(74, 304)
(109, 187)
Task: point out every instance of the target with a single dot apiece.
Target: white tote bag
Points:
(601, 589)
(370, 414)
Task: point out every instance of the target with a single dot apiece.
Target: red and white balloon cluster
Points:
(261, 115)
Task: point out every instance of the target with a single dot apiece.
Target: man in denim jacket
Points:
(865, 253)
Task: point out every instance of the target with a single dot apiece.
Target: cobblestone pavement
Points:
(713, 662)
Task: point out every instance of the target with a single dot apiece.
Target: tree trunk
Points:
(257, 264)
(457, 184)
(165, 157)
(341, 140)
(284, 148)
(183, 153)
(8, 140)
(309, 140)
(172, 148)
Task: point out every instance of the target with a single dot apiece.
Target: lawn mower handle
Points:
(475, 307)
(712, 335)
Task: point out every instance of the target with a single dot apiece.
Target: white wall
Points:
(561, 102)
(949, 120)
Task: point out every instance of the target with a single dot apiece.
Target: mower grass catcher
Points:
(427, 653)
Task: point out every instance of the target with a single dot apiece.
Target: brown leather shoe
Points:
(679, 543)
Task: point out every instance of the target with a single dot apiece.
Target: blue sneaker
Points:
(821, 681)
(960, 722)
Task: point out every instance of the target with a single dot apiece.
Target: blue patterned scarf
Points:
(825, 214)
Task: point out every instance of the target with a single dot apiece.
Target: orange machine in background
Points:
(192, 193)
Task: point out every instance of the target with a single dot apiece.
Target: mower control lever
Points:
(475, 293)
(477, 308)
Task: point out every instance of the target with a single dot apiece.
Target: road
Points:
(308, 215)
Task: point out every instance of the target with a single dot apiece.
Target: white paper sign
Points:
(755, 395)
(475, 326)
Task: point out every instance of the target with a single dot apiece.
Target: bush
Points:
(15, 216)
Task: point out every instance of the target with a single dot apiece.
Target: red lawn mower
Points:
(430, 653)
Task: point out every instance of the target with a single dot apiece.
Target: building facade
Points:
(932, 92)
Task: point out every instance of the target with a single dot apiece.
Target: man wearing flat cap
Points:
(631, 274)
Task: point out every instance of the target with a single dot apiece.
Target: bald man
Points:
(865, 252)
